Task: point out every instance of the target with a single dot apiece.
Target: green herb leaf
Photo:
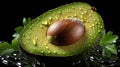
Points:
(15, 35)
(18, 29)
(107, 42)
(7, 51)
(108, 38)
(5, 48)
(15, 43)
(111, 48)
(106, 53)
(26, 21)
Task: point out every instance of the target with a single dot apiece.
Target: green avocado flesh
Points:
(33, 37)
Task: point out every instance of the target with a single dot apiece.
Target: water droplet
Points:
(91, 38)
(30, 27)
(99, 31)
(56, 17)
(64, 53)
(119, 50)
(75, 15)
(54, 52)
(78, 62)
(38, 63)
(2, 58)
(39, 18)
(15, 58)
(94, 19)
(50, 18)
(94, 37)
(47, 47)
(42, 52)
(99, 23)
(18, 64)
(71, 16)
(82, 13)
(73, 7)
(93, 25)
(60, 12)
(91, 58)
(7, 56)
(96, 23)
(80, 8)
(45, 23)
(14, 54)
(34, 48)
(5, 62)
(101, 26)
(81, 17)
(49, 52)
(90, 26)
(34, 42)
(41, 26)
(85, 12)
(45, 43)
(34, 65)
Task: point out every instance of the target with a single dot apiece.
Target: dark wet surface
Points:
(94, 59)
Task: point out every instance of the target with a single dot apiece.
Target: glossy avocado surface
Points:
(33, 37)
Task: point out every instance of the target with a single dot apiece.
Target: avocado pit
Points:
(65, 32)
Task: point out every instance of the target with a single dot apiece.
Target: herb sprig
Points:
(107, 42)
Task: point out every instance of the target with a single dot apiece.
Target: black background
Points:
(12, 13)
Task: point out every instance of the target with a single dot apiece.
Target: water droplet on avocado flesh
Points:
(37, 29)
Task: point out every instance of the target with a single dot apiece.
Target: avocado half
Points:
(33, 37)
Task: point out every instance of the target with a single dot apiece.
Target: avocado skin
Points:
(68, 52)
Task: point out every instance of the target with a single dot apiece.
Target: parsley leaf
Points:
(5, 48)
(8, 48)
(108, 38)
(108, 41)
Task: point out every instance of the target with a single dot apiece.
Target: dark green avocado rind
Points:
(33, 37)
